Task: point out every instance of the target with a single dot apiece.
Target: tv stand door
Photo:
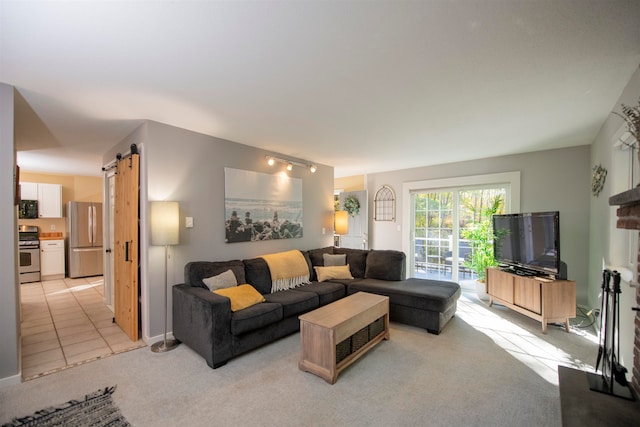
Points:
(527, 293)
(500, 285)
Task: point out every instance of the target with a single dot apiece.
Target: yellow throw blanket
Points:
(288, 270)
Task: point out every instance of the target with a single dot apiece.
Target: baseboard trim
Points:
(13, 380)
(151, 340)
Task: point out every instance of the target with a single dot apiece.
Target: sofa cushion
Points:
(356, 258)
(385, 265)
(334, 259)
(316, 257)
(221, 281)
(309, 264)
(254, 317)
(242, 296)
(424, 294)
(294, 302)
(258, 275)
(327, 291)
(195, 271)
(334, 272)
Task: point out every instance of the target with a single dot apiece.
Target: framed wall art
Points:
(260, 206)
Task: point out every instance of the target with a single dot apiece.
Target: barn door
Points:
(125, 255)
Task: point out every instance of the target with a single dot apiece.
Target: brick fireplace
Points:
(629, 218)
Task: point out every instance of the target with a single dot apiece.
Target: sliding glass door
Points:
(438, 217)
(432, 229)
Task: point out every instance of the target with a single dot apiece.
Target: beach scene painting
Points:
(260, 206)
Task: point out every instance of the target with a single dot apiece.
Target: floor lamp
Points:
(340, 225)
(165, 226)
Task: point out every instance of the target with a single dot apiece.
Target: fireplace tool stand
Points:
(612, 379)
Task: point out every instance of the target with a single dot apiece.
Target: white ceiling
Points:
(364, 86)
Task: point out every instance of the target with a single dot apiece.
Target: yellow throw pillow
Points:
(241, 296)
(333, 272)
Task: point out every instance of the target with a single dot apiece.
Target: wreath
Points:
(351, 205)
(598, 178)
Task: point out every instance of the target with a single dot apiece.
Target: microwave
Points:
(28, 209)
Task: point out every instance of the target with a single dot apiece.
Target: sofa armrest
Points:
(202, 320)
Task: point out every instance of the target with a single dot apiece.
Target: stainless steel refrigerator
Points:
(84, 228)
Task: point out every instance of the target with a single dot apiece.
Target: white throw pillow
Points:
(221, 281)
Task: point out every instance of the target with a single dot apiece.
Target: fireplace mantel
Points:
(629, 208)
(629, 197)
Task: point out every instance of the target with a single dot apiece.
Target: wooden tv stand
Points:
(542, 299)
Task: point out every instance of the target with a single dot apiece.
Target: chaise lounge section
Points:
(205, 322)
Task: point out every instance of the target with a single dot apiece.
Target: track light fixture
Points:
(290, 163)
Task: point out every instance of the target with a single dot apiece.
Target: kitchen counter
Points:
(50, 236)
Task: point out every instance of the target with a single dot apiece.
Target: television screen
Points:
(528, 240)
(506, 243)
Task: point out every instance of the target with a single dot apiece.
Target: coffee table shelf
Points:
(359, 321)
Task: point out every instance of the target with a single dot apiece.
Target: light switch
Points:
(323, 231)
(188, 222)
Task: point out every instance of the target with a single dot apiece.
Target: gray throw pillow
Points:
(221, 281)
(334, 260)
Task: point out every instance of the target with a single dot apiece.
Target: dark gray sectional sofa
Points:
(204, 321)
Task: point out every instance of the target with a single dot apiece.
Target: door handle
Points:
(90, 224)
(86, 249)
(126, 251)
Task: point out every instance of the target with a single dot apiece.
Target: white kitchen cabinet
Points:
(29, 191)
(52, 259)
(49, 201)
(49, 197)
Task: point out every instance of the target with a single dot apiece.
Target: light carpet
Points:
(489, 367)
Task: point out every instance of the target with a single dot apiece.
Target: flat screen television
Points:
(528, 243)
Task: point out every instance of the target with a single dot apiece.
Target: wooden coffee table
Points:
(336, 335)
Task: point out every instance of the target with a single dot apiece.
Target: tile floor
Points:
(65, 323)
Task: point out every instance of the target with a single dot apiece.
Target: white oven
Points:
(29, 252)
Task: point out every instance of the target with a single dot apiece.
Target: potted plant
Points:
(631, 116)
(480, 236)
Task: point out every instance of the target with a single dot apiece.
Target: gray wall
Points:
(609, 245)
(9, 284)
(549, 180)
(188, 167)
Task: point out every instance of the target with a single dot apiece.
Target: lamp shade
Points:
(165, 223)
(341, 222)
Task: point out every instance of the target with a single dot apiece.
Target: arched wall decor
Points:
(384, 204)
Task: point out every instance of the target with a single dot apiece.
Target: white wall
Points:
(188, 167)
(609, 245)
(550, 180)
(9, 283)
